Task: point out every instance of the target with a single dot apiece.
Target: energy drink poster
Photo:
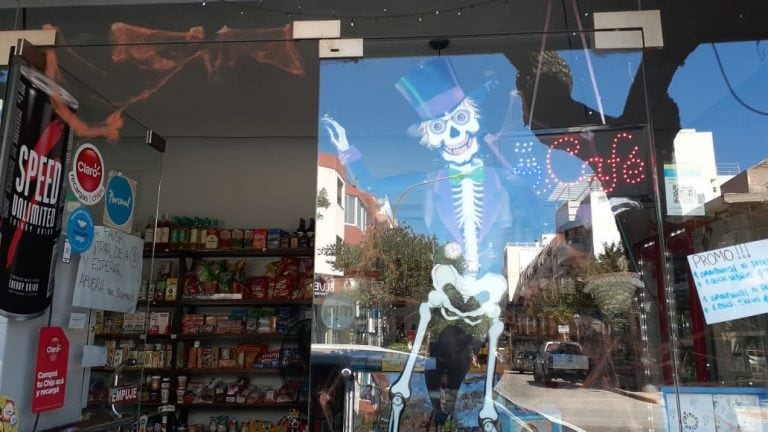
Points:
(36, 142)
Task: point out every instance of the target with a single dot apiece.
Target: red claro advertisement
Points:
(50, 370)
(87, 175)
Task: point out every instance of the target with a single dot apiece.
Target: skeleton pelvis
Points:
(467, 293)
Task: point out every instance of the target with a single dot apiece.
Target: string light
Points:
(352, 22)
(299, 12)
(205, 2)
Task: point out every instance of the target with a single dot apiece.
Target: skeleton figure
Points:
(470, 201)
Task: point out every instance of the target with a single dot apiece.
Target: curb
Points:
(652, 398)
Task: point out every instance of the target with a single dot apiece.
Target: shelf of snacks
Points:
(171, 237)
(235, 405)
(225, 370)
(198, 301)
(132, 369)
(231, 253)
(237, 393)
(134, 336)
(248, 335)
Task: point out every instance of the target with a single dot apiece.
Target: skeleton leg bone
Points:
(488, 415)
(400, 391)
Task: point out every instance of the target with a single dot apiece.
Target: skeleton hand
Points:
(336, 132)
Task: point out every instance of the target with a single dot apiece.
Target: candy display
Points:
(286, 279)
(153, 323)
(241, 391)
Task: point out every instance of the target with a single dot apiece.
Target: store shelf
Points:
(157, 303)
(232, 336)
(137, 336)
(226, 253)
(104, 404)
(265, 406)
(133, 369)
(255, 371)
(234, 302)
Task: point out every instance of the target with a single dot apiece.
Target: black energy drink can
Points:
(35, 145)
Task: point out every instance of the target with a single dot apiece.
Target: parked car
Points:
(523, 361)
(559, 359)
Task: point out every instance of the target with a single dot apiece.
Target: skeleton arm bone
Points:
(338, 137)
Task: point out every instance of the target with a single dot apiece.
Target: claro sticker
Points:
(87, 175)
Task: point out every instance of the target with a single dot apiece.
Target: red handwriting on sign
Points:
(621, 165)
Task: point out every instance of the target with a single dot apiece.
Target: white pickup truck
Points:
(556, 359)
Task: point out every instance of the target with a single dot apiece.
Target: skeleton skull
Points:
(453, 133)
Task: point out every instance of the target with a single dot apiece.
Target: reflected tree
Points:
(390, 266)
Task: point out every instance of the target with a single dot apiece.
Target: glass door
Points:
(483, 203)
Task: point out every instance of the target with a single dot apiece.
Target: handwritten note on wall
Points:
(732, 282)
(109, 274)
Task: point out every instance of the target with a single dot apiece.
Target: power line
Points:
(730, 87)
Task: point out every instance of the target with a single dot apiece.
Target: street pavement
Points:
(578, 408)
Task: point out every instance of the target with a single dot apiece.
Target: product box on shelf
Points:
(159, 323)
(260, 239)
(274, 236)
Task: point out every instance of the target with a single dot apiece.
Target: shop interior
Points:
(221, 134)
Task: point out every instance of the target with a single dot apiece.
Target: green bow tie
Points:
(477, 175)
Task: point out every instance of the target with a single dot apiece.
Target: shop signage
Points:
(31, 208)
(80, 230)
(50, 370)
(109, 273)
(732, 282)
(123, 395)
(87, 174)
(119, 203)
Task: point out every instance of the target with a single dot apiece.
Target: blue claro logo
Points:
(119, 200)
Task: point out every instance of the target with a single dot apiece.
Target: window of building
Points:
(340, 191)
(350, 212)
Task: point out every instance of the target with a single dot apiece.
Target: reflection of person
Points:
(473, 205)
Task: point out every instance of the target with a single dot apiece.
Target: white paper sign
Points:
(109, 273)
(732, 282)
(94, 356)
(685, 190)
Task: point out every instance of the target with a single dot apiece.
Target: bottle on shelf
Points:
(296, 237)
(174, 233)
(203, 233)
(164, 227)
(303, 240)
(149, 232)
(212, 238)
(311, 233)
(194, 234)
(186, 228)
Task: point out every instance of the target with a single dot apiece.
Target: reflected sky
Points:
(360, 94)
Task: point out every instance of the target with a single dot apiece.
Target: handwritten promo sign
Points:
(732, 282)
(109, 274)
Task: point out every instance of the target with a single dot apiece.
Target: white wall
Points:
(254, 183)
(332, 222)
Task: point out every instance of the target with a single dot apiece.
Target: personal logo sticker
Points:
(87, 175)
(80, 230)
(119, 202)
